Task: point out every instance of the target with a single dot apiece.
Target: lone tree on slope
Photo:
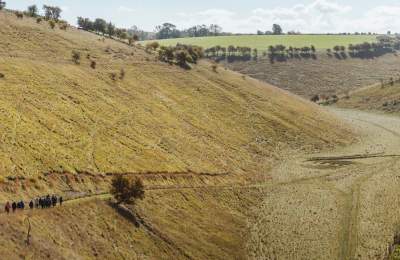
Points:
(127, 190)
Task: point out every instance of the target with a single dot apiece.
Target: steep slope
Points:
(58, 116)
(193, 136)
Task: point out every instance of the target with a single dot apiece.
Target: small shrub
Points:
(315, 98)
(152, 46)
(52, 24)
(88, 56)
(63, 26)
(113, 76)
(19, 15)
(93, 64)
(134, 39)
(76, 57)
(214, 68)
(2, 76)
(39, 20)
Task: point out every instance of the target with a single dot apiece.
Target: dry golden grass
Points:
(375, 97)
(59, 117)
(65, 117)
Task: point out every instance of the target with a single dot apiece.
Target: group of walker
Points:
(41, 202)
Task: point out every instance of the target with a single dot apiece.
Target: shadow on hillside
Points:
(126, 213)
(138, 221)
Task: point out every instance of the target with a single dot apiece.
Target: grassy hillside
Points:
(179, 225)
(59, 116)
(375, 97)
(262, 42)
(324, 75)
(65, 127)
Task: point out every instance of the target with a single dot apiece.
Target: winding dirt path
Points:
(323, 206)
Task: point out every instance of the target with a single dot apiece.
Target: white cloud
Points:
(319, 16)
(124, 9)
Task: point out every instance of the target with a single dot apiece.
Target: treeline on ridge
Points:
(274, 53)
(385, 44)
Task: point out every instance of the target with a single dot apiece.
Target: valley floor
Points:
(336, 205)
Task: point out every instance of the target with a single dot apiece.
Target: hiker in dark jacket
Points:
(14, 206)
(61, 200)
(7, 207)
(22, 205)
(54, 200)
(48, 201)
(36, 203)
(31, 204)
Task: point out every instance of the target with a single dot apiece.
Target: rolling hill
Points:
(66, 128)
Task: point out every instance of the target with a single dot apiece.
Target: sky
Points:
(238, 16)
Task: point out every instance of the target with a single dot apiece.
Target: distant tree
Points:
(52, 12)
(110, 29)
(166, 31)
(85, 24)
(255, 53)
(260, 32)
(81, 22)
(336, 48)
(277, 29)
(231, 50)
(100, 25)
(32, 11)
(215, 29)
(2, 4)
(126, 190)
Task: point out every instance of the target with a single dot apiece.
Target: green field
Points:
(263, 41)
